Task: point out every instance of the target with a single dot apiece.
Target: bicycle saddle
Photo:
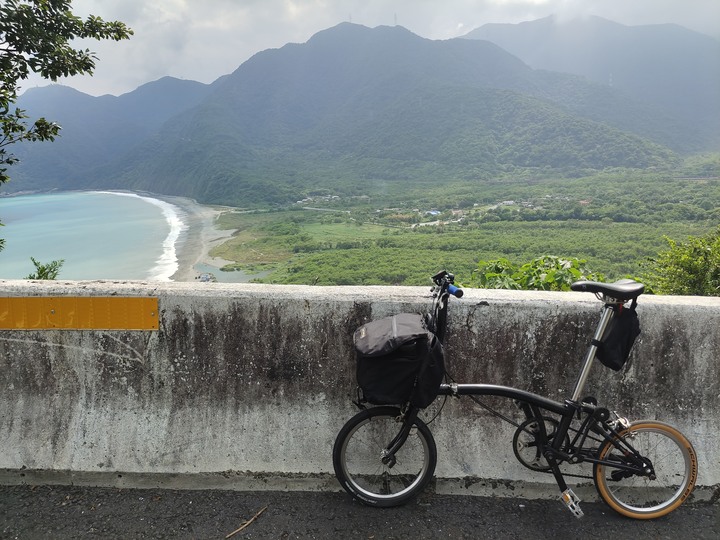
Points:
(624, 289)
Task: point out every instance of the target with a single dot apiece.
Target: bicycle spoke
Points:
(361, 446)
(641, 495)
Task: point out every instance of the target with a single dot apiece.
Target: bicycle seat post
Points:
(605, 318)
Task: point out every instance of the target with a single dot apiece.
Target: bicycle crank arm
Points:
(568, 497)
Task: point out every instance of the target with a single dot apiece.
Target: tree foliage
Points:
(548, 273)
(688, 268)
(35, 36)
(46, 271)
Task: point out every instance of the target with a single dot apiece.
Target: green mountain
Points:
(95, 130)
(668, 67)
(356, 111)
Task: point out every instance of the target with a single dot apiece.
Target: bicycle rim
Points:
(358, 454)
(674, 462)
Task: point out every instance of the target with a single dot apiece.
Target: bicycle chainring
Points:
(527, 446)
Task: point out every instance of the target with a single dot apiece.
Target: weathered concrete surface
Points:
(242, 381)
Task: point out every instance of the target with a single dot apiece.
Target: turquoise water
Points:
(100, 235)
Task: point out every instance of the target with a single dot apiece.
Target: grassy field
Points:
(305, 247)
(614, 220)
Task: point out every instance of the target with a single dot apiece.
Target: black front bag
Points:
(398, 361)
(619, 337)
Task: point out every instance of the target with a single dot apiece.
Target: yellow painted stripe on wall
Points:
(79, 313)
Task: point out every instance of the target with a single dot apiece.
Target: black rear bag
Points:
(398, 361)
(619, 337)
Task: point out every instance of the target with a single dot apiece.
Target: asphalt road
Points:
(58, 512)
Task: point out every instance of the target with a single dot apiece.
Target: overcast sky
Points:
(202, 40)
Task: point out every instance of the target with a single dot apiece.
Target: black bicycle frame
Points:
(532, 404)
(567, 411)
(507, 392)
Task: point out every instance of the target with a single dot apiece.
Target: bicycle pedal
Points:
(572, 502)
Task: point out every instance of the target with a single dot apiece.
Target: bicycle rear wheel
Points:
(674, 462)
(359, 449)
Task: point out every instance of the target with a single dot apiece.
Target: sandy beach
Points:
(199, 237)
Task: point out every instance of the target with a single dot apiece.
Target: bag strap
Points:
(422, 350)
(632, 306)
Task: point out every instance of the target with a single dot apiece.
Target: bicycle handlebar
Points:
(443, 287)
(455, 291)
(444, 281)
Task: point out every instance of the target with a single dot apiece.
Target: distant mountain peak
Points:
(51, 89)
(348, 34)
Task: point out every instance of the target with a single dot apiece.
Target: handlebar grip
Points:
(455, 291)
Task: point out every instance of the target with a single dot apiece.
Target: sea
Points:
(99, 235)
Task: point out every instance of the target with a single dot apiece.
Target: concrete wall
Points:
(253, 382)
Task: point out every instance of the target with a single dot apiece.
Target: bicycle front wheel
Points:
(674, 462)
(358, 458)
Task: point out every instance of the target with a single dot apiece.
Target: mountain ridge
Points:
(96, 129)
(665, 66)
(354, 108)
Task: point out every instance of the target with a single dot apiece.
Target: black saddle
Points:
(624, 289)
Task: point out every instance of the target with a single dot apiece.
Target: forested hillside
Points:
(95, 130)
(667, 67)
(614, 221)
(354, 111)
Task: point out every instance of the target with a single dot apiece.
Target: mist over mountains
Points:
(356, 108)
(666, 66)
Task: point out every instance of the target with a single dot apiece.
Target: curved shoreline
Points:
(199, 235)
(193, 233)
(167, 264)
(191, 238)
